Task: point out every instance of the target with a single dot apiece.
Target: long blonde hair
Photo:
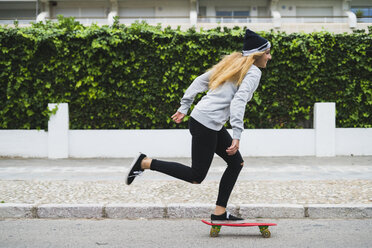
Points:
(232, 68)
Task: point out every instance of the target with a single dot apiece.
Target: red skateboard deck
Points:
(264, 227)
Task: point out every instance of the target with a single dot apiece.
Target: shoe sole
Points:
(131, 167)
(229, 222)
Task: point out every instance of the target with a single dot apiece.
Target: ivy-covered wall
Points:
(130, 77)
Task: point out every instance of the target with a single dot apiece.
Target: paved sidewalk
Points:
(280, 187)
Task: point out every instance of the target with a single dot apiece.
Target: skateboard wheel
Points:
(266, 233)
(215, 230)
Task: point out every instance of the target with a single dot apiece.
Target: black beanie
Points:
(254, 43)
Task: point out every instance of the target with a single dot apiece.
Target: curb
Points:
(183, 211)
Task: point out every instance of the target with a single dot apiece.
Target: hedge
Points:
(131, 77)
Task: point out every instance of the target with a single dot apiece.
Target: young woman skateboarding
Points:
(230, 84)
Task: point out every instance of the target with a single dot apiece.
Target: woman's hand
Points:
(233, 148)
(178, 117)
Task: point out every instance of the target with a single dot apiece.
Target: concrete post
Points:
(275, 13)
(325, 129)
(58, 129)
(276, 19)
(193, 12)
(45, 11)
(42, 16)
(114, 12)
(352, 19)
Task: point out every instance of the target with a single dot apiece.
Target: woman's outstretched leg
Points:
(204, 141)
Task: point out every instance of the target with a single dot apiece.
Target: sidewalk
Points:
(280, 187)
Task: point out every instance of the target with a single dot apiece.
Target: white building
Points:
(288, 15)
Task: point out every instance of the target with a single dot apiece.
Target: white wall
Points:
(24, 143)
(177, 143)
(277, 142)
(354, 141)
(127, 143)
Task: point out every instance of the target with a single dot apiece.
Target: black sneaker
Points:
(226, 218)
(136, 169)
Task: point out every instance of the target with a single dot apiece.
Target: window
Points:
(223, 13)
(202, 11)
(314, 11)
(362, 11)
(233, 13)
(262, 11)
(137, 12)
(14, 9)
(241, 13)
(364, 14)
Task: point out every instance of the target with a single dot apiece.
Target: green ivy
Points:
(131, 77)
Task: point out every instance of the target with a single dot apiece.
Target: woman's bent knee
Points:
(197, 180)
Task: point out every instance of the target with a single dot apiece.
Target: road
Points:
(255, 168)
(181, 233)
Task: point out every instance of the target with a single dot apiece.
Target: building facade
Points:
(266, 14)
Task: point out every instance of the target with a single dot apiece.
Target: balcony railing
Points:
(365, 19)
(201, 19)
(314, 19)
(27, 20)
(20, 20)
(155, 19)
(235, 19)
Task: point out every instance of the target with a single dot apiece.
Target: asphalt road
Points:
(181, 233)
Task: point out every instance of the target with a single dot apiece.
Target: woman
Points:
(230, 84)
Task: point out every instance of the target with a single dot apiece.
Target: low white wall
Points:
(277, 142)
(177, 143)
(323, 140)
(127, 143)
(23, 143)
(354, 141)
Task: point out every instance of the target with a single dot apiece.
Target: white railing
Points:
(314, 19)
(27, 21)
(9, 21)
(229, 19)
(203, 19)
(367, 19)
(156, 20)
(90, 20)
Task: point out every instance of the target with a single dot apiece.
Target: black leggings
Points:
(205, 142)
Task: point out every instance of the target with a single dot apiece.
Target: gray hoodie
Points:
(226, 102)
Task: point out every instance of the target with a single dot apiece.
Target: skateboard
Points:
(264, 227)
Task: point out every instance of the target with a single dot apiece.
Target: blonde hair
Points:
(232, 68)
